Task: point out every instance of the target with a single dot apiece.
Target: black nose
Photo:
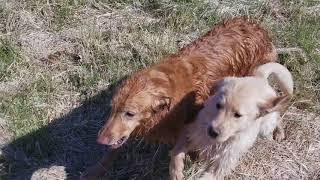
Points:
(212, 133)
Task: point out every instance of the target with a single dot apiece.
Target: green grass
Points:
(8, 57)
(113, 39)
(27, 111)
(27, 108)
(303, 32)
(308, 33)
(63, 13)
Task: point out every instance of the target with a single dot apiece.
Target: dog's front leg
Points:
(272, 123)
(177, 158)
(177, 165)
(268, 125)
(278, 133)
(100, 168)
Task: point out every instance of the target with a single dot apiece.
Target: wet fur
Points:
(233, 48)
(184, 80)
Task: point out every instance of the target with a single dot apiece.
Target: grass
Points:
(28, 113)
(58, 60)
(9, 57)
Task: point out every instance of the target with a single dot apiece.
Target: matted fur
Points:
(171, 92)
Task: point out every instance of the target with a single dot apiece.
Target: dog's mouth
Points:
(119, 143)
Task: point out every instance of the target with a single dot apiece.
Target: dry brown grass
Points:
(60, 58)
(295, 158)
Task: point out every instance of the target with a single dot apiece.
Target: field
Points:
(61, 59)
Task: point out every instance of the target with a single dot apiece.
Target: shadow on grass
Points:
(70, 141)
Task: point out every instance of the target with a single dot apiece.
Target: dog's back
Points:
(233, 48)
(243, 37)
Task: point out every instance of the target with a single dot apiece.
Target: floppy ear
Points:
(215, 88)
(277, 104)
(208, 101)
(161, 103)
(218, 84)
(161, 94)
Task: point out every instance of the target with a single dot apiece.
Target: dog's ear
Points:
(160, 103)
(215, 88)
(276, 104)
(161, 93)
(218, 84)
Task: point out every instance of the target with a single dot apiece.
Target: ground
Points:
(60, 61)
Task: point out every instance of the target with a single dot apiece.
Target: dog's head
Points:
(238, 102)
(137, 100)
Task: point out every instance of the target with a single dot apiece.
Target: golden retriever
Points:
(156, 102)
(228, 125)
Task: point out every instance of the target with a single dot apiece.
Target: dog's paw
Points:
(279, 135)
(176, 175)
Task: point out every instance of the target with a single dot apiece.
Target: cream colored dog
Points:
(231, 120)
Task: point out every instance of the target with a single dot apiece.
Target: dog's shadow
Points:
(70, 142)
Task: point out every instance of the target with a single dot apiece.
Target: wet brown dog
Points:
(156, 102)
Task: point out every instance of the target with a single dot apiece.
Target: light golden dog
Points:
(156, 102)
(228, 125)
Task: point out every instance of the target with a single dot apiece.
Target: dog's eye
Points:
(129, 114)
(219, 105)
(237, 115)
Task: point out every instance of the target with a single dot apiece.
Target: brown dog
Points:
(156, 102)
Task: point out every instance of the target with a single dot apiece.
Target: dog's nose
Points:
(212, 133)
(104, 140)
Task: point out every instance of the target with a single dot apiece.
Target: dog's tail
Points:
(282, 74)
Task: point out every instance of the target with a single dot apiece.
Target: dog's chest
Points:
(209, 149)
(198, 141)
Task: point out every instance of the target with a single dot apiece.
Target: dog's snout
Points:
(212, 132)
(104, 136)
